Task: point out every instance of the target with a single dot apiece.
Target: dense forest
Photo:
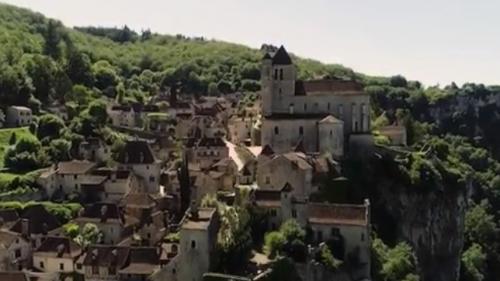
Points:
(452, 131)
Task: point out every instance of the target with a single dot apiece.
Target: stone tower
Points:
(278, 76)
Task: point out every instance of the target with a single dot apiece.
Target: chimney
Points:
(60, 250)
(25, 227)
(104, 213)
(194, 209)
(45, 228)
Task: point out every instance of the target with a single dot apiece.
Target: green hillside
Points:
(120, 61)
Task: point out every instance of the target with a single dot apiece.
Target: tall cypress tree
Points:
(184, 182)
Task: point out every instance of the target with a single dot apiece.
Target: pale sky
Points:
(435, 41)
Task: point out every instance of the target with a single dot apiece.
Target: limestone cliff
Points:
(433, 223)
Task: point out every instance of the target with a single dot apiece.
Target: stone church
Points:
(320, 115)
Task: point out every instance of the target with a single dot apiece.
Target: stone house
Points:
(111, 220)
(206, 151)
(160, 123)
(168, 263)
(56, 254)
(153, 221)
(142, 262)
(67, 177)
(206, 126)
(130, 116)
(138, 157)
(240, 129)
(183, 127)
(95, 150)
(34, 223)
(104, 263)
(117, 184)
(347, 226)
(15, 251)
(292, 109)
(294, 168)
(198, 235)
(18, 116)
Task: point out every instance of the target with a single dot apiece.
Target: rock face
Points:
(433, 223)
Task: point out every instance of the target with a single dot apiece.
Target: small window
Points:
(294, 213)
(61, 266)
(305, 106)
(273, 213)
(328, 106)
(268, 180)
(301, 130)
(174, 271)
(362, 237)
(335, 231)
(193, 244)
(112, 270)
(79, 266)
(151, 179)
(42, 265)
(18, 253)
(276, 130)
(76, 177)
(275, 74)
(281, 74)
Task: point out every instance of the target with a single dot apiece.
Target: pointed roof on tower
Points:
(281, 57)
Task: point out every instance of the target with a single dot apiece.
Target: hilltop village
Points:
(197, 184)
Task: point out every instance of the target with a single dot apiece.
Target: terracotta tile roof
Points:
(136, 152)
(103, 211)
(202, 221)
(343, 214)
(58, 247)
(7, 238)
(212, 142)
(13, 276)
(142, 260)
(326, 85)
(141, 200)
(39, 220)
(93, 180)
(75, 167)
(330, 119)
(298, 160)
(267, 198)
(104, 255)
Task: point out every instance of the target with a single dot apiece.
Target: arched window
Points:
(276, 130)
(281, 74)
(301, 130)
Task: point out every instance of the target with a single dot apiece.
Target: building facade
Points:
(293, 109)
